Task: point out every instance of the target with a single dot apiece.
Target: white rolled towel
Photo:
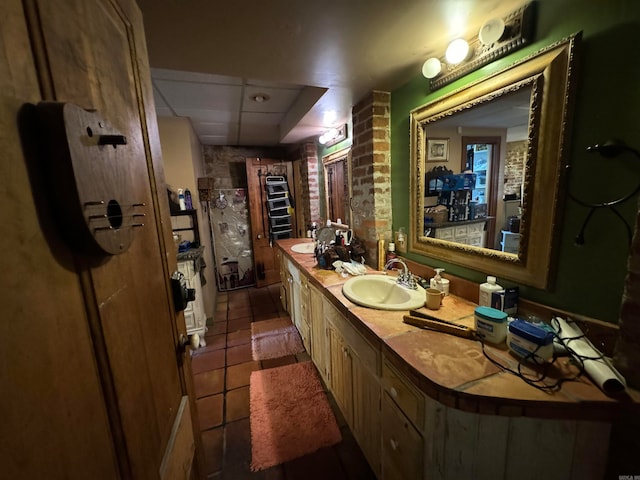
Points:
(595, 364)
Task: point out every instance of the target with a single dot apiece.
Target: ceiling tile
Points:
(200, 95)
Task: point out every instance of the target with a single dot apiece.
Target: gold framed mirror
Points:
(475, 228)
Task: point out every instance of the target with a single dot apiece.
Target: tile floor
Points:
(221, 372)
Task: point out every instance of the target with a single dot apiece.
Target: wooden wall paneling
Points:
(434, 434)
(461, 433)
(589, 460)
(491, 443)
(532, 438)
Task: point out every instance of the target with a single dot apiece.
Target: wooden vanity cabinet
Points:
(354, 371)
(406, 434)
(424, 439)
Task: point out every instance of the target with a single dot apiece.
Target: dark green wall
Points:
(589, 278)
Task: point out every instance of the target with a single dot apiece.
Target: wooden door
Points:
(264, 250)
(98, 385)
(336, 190)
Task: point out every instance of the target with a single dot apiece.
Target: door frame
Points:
(343, 155)
(493, 180)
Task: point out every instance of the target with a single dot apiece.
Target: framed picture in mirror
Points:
(437, 150)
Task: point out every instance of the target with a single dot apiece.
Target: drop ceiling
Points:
(310, 61)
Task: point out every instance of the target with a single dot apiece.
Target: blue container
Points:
(491, 324)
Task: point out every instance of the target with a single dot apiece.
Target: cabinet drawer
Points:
(189, 319)
(476, 240)
(476, 228)
(444, 233)
(187, 269)
(410, 401)
(460, 231)
(402, 445)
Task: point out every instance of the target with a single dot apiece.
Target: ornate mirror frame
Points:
(550, 74)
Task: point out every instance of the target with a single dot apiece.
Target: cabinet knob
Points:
(394, 444)
(192, 341)
(393, 392)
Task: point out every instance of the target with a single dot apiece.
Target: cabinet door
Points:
(340, 376)
(366, 412)
(402, 445)
(305, 311)
(319, 341)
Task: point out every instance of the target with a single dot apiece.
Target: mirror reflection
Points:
(504, 224)
(475, 165)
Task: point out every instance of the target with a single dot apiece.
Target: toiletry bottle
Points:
(391, 252)
(188, 201)
(486, 289)
(436, 280)
(183, 206)
(381, 253)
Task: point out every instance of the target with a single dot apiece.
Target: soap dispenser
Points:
(438, 282)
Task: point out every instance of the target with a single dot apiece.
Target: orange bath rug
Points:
(290, 415)
(274, 338)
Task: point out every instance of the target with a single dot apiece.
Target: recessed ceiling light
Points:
(260, 97)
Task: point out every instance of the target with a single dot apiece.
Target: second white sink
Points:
(382, 293)
(303, 247)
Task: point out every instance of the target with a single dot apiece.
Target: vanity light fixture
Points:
(496, 38)
(333, 136)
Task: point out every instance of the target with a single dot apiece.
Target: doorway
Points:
(481, 155)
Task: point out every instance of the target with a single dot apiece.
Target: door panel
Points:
(95, 57)
(55, 422)
(267, 267)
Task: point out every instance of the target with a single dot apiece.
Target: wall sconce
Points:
(333, 136)
(497, 37)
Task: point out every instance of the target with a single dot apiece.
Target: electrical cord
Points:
(608, 149)
(537, 379)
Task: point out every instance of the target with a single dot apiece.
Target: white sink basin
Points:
(382, 293)
(303, 247)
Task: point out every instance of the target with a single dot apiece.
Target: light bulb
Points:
(431, 68)
(457, 51)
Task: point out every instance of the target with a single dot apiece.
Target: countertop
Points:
(455, 371)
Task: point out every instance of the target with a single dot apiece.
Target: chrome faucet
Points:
(405, 278)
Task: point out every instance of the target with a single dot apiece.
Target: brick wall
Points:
(308, 158)
(515, 161)
(371, 171)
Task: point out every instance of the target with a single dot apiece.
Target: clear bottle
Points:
(181, 199)
(486, 289)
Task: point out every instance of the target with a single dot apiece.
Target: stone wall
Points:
(308, 184)
(226, 165)
(515, 161)
(371, 169)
